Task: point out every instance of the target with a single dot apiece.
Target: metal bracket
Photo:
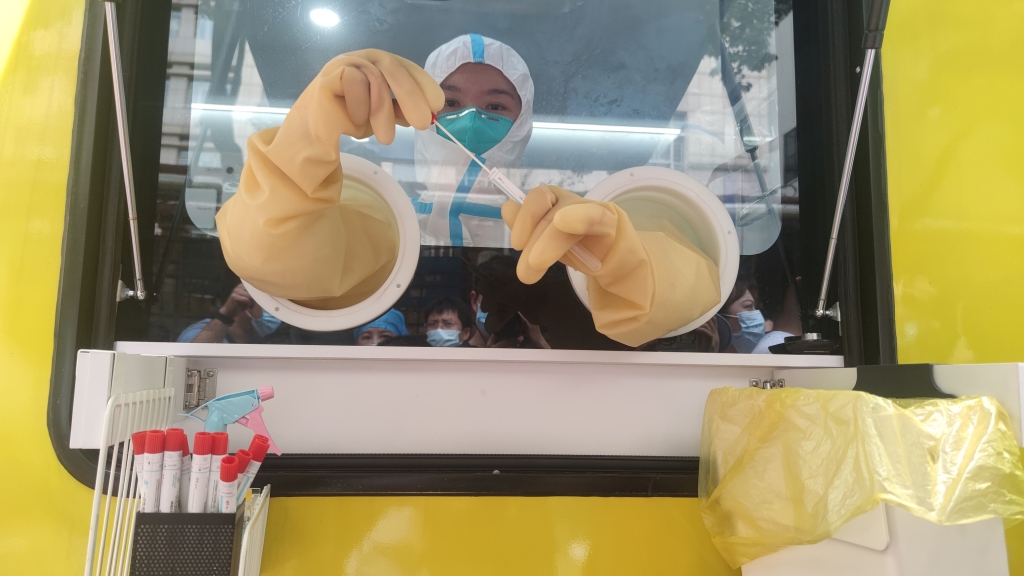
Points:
(124, 292)
(833, 313)
(200, 387)
(767, 384)
(121, 114)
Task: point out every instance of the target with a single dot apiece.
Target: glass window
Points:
(175, 28)
(704, 87)
(204, 30)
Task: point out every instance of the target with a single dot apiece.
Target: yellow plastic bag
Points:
(790, 466)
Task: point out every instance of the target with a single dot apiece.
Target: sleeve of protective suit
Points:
(291, 231)
(650, 283)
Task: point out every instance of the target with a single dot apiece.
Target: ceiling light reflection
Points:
(324, 17)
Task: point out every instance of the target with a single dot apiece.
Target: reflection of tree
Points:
(782, 9)
(746, 28)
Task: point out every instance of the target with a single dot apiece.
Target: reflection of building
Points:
(194, 272)
(188, 71)
(709, 143)
(706, 119)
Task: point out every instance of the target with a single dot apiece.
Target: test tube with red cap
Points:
(152, 468)
(171, 475)
(258, 448)
(220, 450)
(244, 457)
(139, 448)
(200, 481)
(227, 487)
(186, 474)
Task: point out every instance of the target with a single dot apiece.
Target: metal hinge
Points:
(767, 384)
(200, 387)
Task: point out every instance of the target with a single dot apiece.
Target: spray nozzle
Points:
(243, 408)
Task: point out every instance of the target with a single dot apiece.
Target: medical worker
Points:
(293, 233)
(390, 325)
(489, 108)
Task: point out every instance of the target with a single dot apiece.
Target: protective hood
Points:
(445, 170)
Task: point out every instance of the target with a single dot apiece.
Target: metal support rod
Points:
(844, 186)
(126, 156)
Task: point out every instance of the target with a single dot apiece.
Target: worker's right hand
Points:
(352, 95)
(288, 231)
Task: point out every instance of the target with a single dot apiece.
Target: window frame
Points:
(827, 49)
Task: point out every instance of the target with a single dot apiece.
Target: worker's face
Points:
(483, 86)
(374, 336)
(448, 320)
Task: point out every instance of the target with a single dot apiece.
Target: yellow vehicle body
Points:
(956, 194)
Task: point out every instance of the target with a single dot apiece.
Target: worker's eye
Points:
(495, 107)
(451, 103)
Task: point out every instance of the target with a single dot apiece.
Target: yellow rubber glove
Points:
(650, 283)
(290, 230)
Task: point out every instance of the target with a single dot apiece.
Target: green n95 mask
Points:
(475, 129)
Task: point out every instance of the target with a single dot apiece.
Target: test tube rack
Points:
(114, 522)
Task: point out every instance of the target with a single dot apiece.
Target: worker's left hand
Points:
(650, 282)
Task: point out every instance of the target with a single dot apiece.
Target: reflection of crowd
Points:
(450, 322)
(499, 311)
(240, 320)
(762, 309)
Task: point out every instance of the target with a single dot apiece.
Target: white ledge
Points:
(415, 354)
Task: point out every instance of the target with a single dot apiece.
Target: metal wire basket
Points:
(124, 541)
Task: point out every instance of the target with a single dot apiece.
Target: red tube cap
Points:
(139, 442)
(258, 447)
(155, 442)
(220, 443)
(229, 469)
(175, 442)
(203, 443)
(244, 457)
(180, 441)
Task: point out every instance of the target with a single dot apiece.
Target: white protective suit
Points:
(460, 207)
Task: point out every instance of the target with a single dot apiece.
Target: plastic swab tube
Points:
(170, 479)
(244, 458)
(199, 483)
(501, 182)
(139, 448)
(152, 468)
(258, 448)
(186, 473)
(220, 449)
(227, 486)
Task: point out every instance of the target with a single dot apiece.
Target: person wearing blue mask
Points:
(489, 109)
(449, 323)
(746, 321)
(240, 320)
(390, 325)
